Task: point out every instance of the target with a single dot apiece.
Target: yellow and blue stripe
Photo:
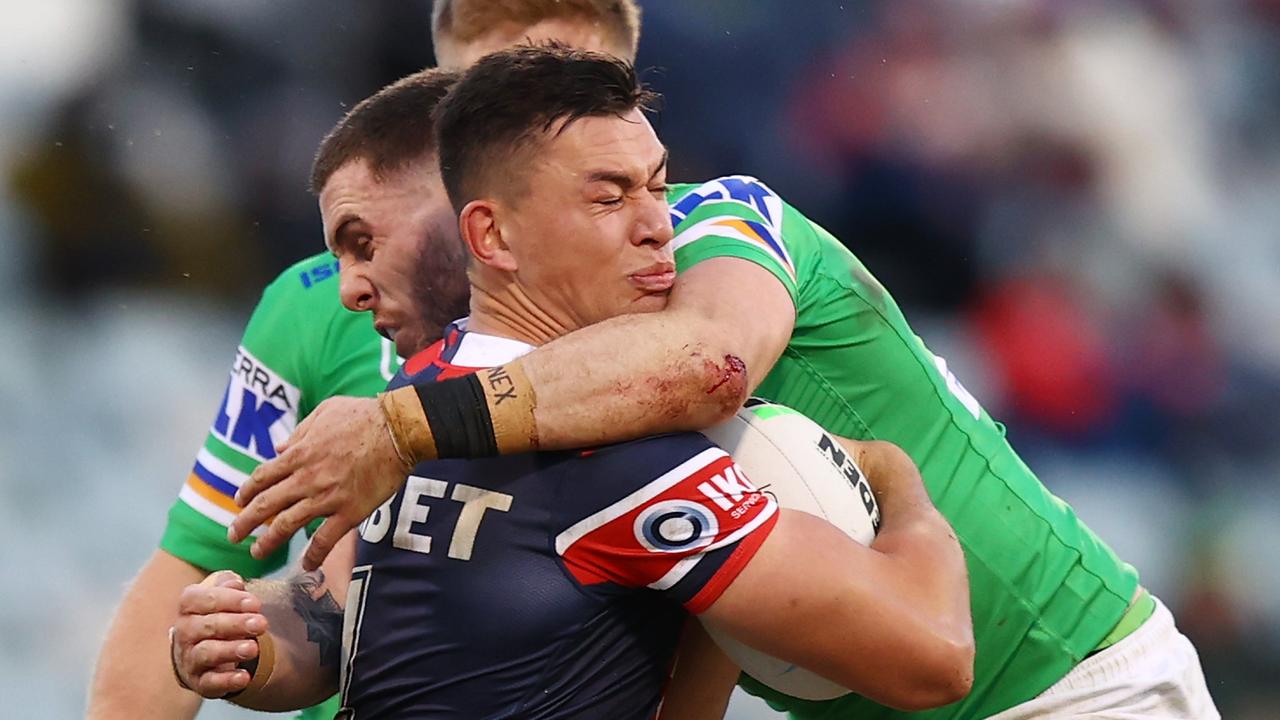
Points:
(211, 489)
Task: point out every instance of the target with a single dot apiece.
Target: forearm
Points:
(928, 560)
(305, 629)
(921, 565)
(133, 677)
(814, 597)
(685, 368)
(635, 375)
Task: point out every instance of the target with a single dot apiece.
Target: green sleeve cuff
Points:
(712, 247)
(192, 537)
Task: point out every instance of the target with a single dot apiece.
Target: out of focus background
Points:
(1077, 203)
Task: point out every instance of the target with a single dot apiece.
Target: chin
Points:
(409, 343)
(650, 303)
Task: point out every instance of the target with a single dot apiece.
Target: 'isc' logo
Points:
(259, 409)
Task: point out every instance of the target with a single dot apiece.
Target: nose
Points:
(653, 226)
(354, 288)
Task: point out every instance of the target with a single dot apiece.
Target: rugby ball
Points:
(792, 458)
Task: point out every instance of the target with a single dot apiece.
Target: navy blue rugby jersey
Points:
(545, 585)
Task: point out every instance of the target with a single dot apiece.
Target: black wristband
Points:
(459, 418)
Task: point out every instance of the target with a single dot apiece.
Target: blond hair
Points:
(466, 20)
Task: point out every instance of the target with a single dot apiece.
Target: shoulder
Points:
(301, 300)
(735, 216)
(647, 513)
(740, 196)
(433, 363)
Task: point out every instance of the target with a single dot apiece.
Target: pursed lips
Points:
(658, 277)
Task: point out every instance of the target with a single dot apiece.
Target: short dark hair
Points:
(389, 129)
(496, 113)
(467, 20)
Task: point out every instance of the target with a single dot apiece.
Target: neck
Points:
(506, 311)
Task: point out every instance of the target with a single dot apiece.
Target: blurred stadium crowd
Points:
(1075, 202)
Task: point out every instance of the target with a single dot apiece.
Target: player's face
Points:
(574, 33)
(380, 231)
(590, 233)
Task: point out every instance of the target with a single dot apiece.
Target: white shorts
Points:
(1153, 673)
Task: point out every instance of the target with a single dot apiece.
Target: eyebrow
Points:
(622, 179)
(341, 235)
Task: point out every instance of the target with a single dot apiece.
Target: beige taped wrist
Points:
(260, 670)
(509, 395)
(487, 413)
(407, 423)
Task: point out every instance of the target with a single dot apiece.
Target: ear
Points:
(482, 232)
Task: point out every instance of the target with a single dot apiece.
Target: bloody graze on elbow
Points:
(696, 390)
(726, 383)
(732, 371)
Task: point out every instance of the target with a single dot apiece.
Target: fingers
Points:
(205, 599)
(216, 684)
(271, 502)
(267, 474)
(285, 524)
(259, 504)
(330, 532)
(216, 628)
(224, 578)
(299, 432)
(192, 629)
(217, 613)
(211, 666)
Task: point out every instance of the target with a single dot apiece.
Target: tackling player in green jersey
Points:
(299, 348)
(769, 301)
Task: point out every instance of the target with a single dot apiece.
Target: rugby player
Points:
(768, 302)
(300, 347)
(549, 585)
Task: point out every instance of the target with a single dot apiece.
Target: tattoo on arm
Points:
(321, 614)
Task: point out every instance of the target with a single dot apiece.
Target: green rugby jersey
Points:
(1045, 589)
(300, 347)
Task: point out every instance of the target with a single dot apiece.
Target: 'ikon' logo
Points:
(727, 489)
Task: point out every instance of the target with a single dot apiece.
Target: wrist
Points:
(260, 670)
(173, 660)
(478, 415)
(407, 425)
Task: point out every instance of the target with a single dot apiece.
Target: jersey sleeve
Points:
(734, 216)
(299, 347)
(672, 514)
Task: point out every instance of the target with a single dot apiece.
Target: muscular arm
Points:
(685, 368)
(302, 617)
(132, 677)
(305, 622)
(890, 622)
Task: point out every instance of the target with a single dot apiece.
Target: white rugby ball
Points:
(792, 458)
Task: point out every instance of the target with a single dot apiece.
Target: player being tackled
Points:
(556, 584)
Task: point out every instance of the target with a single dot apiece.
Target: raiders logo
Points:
(674, 526)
